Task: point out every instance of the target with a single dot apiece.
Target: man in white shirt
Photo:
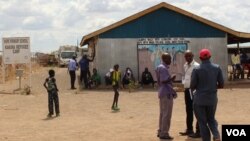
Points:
(188, 68)
(108, 80)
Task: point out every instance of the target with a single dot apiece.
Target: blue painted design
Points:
(163, 23)
(158, 50)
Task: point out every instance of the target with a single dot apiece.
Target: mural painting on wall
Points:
(150, 55)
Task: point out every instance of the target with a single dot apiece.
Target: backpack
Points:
(51, 84)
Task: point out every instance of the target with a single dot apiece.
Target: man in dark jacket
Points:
(84, 67)
(205, 80)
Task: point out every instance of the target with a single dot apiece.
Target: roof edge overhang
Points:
(227, 30)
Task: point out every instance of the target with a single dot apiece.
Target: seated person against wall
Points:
(128, 77)
(107, 77)
(235, 58)
(244, 62)
(95, 79)
(147, 78)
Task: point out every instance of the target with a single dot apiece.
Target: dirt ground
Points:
(86, 115)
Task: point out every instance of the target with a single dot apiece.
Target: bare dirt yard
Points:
(86, 115)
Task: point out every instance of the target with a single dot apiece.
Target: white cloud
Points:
(29, 20)
(51, 23)
(36, 23)
(229, 13)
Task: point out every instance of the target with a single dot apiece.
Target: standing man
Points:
(72, 67)
(188, 68)
(84, 68)
(166, 95)
(206, 79)
(235, 58)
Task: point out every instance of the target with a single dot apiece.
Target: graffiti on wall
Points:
(150, 57)
(163, 41)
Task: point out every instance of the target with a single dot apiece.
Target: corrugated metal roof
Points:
(233, 36)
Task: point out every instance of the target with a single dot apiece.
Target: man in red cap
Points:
(205, 81)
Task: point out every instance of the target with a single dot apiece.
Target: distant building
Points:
(139, 40)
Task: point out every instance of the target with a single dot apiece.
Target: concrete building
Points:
(139, 40)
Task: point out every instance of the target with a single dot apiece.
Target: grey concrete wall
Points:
(116, 51)
(218, 48)
(124, 53)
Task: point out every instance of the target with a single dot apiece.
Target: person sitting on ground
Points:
(95, 79)
(147, 78)
(108, 80)
(245, 64)
(128, 77)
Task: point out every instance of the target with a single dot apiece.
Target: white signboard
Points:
(16, 50)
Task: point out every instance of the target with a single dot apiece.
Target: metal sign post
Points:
(3, 68)
(19, 74)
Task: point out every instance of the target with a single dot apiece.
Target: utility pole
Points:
(3, 67)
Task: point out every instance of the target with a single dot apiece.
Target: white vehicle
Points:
(65, 53)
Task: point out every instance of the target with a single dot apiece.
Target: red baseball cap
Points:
(205, 54)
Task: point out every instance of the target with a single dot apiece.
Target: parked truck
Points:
(65, 53)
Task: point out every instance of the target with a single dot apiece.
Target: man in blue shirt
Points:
(166, 94)
(72, 67)
(84, 67)
(205, 80)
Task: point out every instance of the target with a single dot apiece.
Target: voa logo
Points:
(236, 132)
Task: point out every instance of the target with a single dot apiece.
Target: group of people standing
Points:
(86, 78)
(200, 95)
(200, 81)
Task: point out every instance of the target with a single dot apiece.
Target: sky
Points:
(52, 23)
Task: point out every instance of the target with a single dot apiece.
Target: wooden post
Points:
(238, 47)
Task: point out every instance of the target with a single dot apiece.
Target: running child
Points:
(116, 80)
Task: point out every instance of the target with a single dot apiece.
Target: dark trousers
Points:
(108, 80)
(84, 77)
(53, 100)
(207, 122)
(146, 82)
(116, 95)
(190, 112)
(125, 81)
(238, 71)
(72, 78)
